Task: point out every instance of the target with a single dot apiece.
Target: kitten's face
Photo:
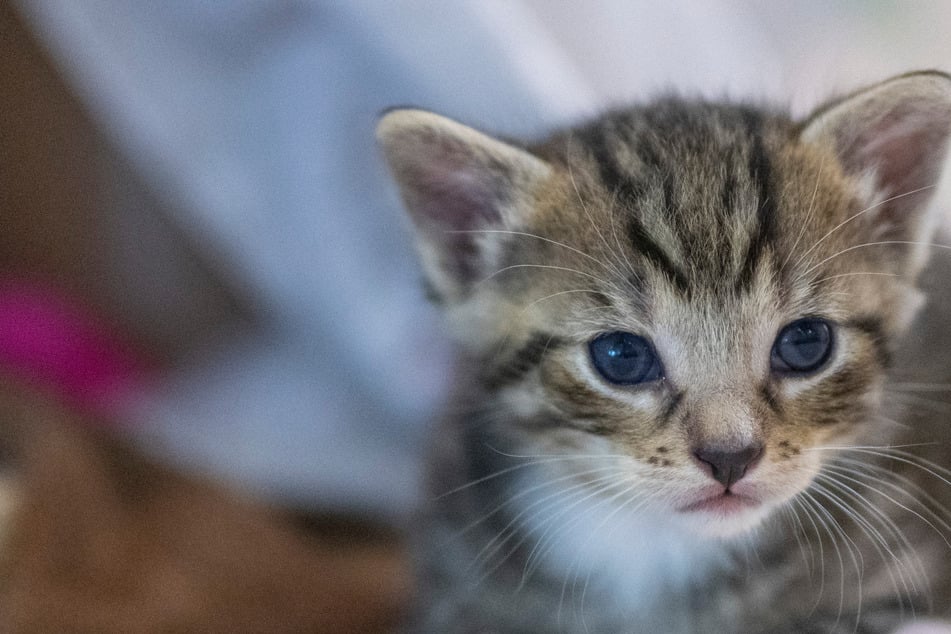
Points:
(704, 309)
(681, 290)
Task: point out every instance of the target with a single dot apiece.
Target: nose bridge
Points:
(724, 418)
(715, 344)
(716, 369)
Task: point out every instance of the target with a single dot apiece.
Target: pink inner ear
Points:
(455, 197)
(457, 192)
(902, 147)
(905, 147)
(49, 341)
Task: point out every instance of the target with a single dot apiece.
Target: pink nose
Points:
(728, 466)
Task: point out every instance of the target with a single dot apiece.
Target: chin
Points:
(724, 516)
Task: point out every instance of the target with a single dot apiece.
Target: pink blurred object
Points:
(49, 340)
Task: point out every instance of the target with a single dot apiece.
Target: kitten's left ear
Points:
(461, 189)
(895, 133)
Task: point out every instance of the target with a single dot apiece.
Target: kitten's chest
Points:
(556, 559)
(608, 552)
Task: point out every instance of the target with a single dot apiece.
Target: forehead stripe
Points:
(612, 175)
(655, 255)
(628, 189)
(761, 172)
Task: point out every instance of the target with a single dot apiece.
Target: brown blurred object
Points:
(94, 536)
(101, 539)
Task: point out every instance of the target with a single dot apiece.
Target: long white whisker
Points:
(587, 213)
(559, 293)
(535, 236)
(828, 522)
(611, 470)
(810, 515)
(584, 590)
(562, 510)
(620, 250)
(870, 447)
(807, 218)
(514, 523)
(876, 538)
(856, 215)
(916, 492)
(837, 276)
(939, 406)
(541, 460)
(905, 458)
(552, 267)
(925, 387)
(572, 456)
(799, 532)
(843, 474)
(875, 244)
(543, 548)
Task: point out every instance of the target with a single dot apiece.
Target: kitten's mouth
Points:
(725, 503)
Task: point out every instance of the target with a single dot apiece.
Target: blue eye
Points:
(802, 346)
(625, 358)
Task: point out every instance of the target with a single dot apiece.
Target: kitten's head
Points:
(706, 293)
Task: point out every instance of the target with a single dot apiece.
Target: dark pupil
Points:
(804, 345)
(622, 357)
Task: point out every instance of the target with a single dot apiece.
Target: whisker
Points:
(925, 500)
(584, 590)
(829, 522)
(559, 455)
(923, 387)
(878, 541)
(587, 213)
(552, 267)
(612, 471)
(938, 406)
(875, 244)
(906, 458)
(546, 297)
(526, 234)
(807, 218)
(545, 549)
(512, 527)
(870, 447)
(620, 250)
(542, 460)
(856, 215)
(837, 276)
(568, 572)
(810, 515)
(799, 532)
(503, 340)
(892, 527)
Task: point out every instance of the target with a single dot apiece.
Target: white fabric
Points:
(254, 120)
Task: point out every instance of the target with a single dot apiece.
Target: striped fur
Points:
(704, 227)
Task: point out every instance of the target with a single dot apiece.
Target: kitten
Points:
(681, 329)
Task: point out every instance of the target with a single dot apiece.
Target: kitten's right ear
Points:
(461, 187)
(894, 135)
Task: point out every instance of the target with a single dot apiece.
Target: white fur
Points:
(633, 553)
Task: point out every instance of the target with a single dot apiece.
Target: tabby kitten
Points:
(685, 342)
